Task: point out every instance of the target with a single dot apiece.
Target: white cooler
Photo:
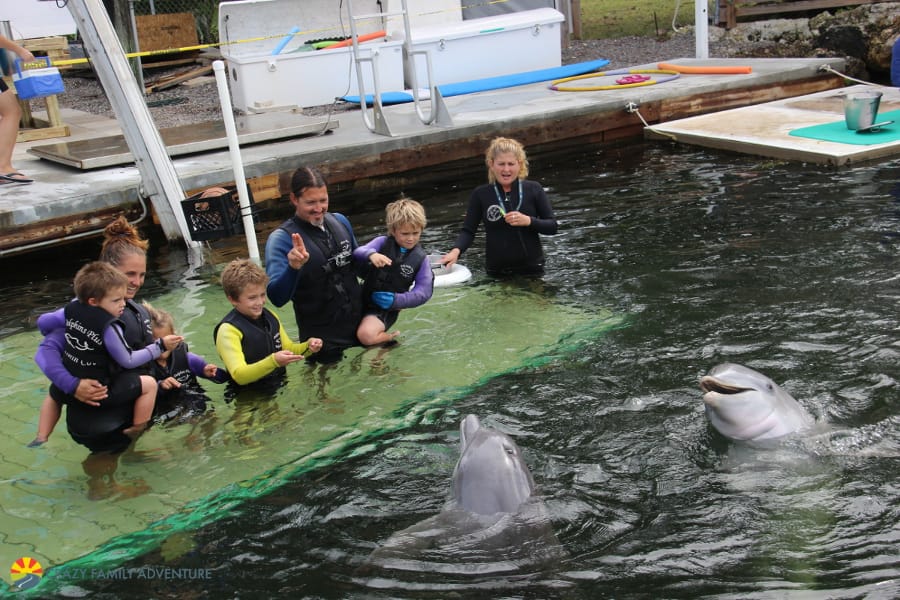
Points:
(295, 77)
(488, 47)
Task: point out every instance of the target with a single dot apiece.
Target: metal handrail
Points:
(438, 115)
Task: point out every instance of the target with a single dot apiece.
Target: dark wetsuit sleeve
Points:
(282, 278)
(470, 224)
(545, 221)
(49, 361)
(421, 291)
(114, 340)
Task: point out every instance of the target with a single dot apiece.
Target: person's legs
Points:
(100, 468)
(143, 407)
(10, 113)
(51, 410)
(372, 332)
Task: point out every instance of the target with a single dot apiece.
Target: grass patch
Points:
(602, 19)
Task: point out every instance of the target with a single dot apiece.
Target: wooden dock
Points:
(64, 203)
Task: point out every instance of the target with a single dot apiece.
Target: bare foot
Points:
(392, 339)
(135, 431)
(109, 488)
(36, 442)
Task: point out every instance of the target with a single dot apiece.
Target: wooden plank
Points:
(45, 44)
(177, 62)
(174, 80)
(680, 108)
(265, 187)
(19, 238)
(42, 133)
(730, 10)
(166, 31)
(54, 47)
(804, 5)
(262, 188)
(33, 128)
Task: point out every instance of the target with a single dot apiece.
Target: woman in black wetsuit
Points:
(125, 250)
(515, 212)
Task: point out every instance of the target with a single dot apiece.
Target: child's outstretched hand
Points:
(171, 341)
(170, 383)
(315, 344)
(379, 260)
(210, 371)
(286, 357)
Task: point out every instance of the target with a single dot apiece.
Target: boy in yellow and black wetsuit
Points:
(250, 339)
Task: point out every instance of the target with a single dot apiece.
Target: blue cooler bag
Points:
(36, 83)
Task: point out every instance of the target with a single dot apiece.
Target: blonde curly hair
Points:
(502, 145)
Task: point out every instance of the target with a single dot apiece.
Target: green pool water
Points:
(194, 473)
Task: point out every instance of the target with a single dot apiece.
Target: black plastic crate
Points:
(214, 217)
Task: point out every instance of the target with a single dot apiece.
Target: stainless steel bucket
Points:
(861, 108)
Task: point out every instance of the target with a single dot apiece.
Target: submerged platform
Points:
(65, 203)
(808, 128)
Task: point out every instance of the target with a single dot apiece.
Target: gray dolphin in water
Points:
(493, 523)
(491, 476)
(745, 405)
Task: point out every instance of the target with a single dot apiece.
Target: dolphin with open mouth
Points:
(745, 405)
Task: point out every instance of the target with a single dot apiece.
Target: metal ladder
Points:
(438, 115)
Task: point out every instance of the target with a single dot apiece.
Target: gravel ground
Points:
(199, 102)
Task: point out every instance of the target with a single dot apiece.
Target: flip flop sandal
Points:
(15, 177)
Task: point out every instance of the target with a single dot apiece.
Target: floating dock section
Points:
(809, 128)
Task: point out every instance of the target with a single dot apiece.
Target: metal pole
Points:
(701, 29)
(237, 164)
(138, 65)
(158, 177)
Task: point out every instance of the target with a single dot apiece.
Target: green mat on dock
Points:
(838, 132)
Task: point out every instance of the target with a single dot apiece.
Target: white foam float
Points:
(446, 277)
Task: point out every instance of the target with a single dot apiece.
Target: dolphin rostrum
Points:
(491, 475)
(745, 405)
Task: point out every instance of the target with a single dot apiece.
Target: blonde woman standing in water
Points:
(515, 212)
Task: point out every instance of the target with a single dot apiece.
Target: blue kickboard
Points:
(492, 83)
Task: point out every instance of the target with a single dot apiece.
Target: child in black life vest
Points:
(397, 273)
(179, 394)
(96, 348)
(251, 340)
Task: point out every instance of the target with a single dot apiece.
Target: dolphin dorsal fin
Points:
(467, 429)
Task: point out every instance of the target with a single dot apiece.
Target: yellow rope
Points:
(317, 32)
(618, 86)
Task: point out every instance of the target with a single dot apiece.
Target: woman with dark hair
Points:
(309, 261)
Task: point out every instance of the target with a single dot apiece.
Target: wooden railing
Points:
(731, 10)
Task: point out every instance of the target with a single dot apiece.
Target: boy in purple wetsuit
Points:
(94, 347)
(397, 274)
